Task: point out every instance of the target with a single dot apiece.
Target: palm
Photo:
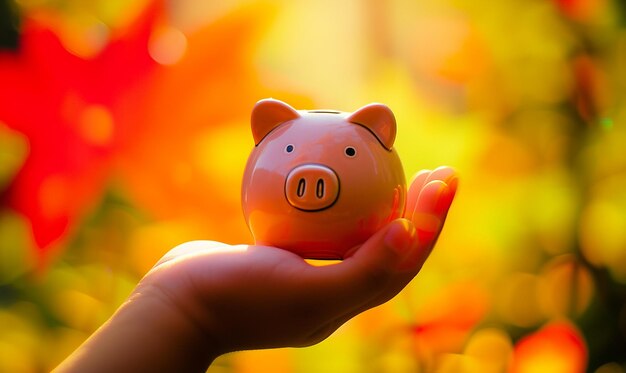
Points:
(259, 297)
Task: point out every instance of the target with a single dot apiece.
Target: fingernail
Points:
(443, 199)
(453, 184)
(400, 236)
(429, 222)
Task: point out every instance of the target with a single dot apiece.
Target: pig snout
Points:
(311, 187)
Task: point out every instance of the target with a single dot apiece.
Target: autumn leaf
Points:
(128, 113)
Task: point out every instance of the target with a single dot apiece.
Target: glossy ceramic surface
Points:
(319, 183)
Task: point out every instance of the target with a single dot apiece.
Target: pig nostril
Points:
(319, 191)
(301, 187)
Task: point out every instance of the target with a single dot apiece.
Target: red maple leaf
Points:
(120, 113)
(59, 100)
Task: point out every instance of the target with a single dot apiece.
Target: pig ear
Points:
(379, 119)
(267, 115)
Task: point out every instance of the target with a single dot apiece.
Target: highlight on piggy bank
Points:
(320, 182)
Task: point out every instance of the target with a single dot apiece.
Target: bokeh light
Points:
(557, 347)
(124, 131)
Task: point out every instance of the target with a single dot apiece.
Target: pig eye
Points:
(350, 151)
(289, 148)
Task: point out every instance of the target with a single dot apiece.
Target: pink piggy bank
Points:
(318, 183)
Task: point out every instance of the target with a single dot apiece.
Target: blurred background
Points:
(124, 131)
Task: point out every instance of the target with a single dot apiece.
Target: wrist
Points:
(147, 333)
(173, 327)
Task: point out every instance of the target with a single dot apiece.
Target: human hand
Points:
(247, 297)
(221, 298)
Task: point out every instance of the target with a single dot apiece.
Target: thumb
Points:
(375, 272)
(388, 261)
(386, 250)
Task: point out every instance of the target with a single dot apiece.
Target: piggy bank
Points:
(318, 183)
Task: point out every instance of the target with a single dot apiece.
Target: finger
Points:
(415, 186)
(446, 174)
(431, 209)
